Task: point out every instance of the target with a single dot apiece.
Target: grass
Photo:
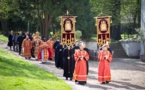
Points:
(125, 36)
(94, 38)
(17, 74)
(3, 38)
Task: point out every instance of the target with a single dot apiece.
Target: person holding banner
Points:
(105, 57)
(68, 63)
(80, 71)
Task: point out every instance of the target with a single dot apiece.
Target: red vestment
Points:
(80, 72)
(51, 49)
(43, 47)
(36, 43)
(104, 73)
(27, 44)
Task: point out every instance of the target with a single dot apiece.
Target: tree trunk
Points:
(46, 25)
(139, 12)
(47, 21)
(116, 32)
(4, 27)
(116, 19)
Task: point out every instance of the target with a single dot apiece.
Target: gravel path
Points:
(127, 74)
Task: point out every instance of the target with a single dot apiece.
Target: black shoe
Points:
(43, 62)
(76, 80)
(81, 83)
(66, 78)
(70, 79)
(107, 82)
(103, 83)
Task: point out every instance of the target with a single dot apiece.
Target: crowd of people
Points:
(72, 59)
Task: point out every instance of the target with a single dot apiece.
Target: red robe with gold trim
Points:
(80, 72)
(36, 43)
(104, 73)
(27, 44)
(43, 47)
(51, 49)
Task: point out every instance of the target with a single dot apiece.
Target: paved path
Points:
(127, 74)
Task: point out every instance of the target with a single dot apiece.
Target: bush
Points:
(78, 34)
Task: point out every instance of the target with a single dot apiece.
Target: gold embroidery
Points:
(103, 76)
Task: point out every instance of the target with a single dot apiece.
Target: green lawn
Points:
(3, 38)
(125, 36)
(17, 74)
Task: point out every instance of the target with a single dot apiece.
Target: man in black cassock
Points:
(59, 60)
(56, 44)
(76, 46)
(68, 63)
(10, 39)
(20, 40)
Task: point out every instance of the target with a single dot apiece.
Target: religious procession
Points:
(68, 53)
(72, 45)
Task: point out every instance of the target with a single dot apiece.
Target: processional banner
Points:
(103, 29)
(68, 30)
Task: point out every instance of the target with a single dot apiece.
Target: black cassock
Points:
(20, 40)
(68, 63)
(10, 42)
(56, 44)
(59, 58)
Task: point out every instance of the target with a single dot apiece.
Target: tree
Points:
(122, 11)
(7, 8)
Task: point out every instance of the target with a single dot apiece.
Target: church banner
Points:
(68, 30)
(103, 29)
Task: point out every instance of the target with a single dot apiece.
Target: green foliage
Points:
(17, 74)
(78, 34)
(122, 11)
(3, 38)
(141, 33)
(19, 12)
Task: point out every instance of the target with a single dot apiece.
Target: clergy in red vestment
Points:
(80, 72)
(50, 42)
(27, 44)
(43, 52)
(36, 43)
(105, 57)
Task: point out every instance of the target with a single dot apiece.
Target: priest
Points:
(80, 71)
(105, 57)
(27, 44)
(59, 61)
(50, 42)
(56, 44)
(36, 43)
(10, 39)
(68, 63)
(43, 52)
